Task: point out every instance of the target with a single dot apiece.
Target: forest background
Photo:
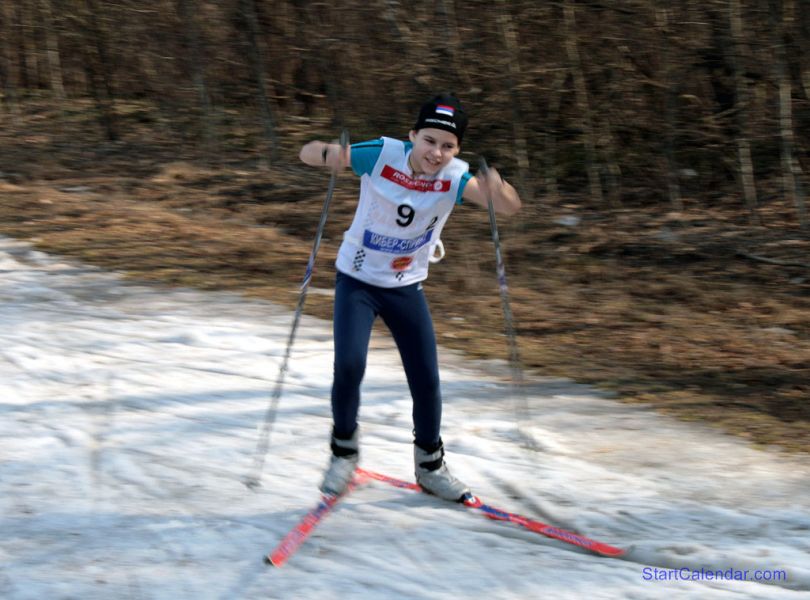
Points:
(661, 150)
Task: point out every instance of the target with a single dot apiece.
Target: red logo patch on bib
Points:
(401, 263)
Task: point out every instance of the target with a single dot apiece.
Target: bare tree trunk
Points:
(39, 42)
(514, 81)
(550, 136)
(803, 43)
(52, 42)
(8, 69)
(453, 41)
(257, 58)
(186, 12)
(21, 64)
(583, 104)
(780, 14)
(743, 140)
(98, 68)
(321, 19)
(28, 45)
(673, 189)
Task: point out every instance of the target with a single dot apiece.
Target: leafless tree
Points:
(259, 67)
(52, 42)
(781, 16)
(582, 99)
(742, 109)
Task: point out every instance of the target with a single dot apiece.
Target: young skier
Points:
(407, 191)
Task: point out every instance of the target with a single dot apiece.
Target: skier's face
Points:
(432, 150)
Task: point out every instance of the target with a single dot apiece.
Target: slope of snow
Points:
(129, 417)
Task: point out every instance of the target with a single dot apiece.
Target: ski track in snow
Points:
(129, 416)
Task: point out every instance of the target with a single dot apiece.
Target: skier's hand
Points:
(488, 185)
(337, 157)
(322, 154)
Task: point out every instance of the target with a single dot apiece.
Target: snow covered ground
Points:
(129, 415)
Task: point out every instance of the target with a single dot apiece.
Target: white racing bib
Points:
(397, 226)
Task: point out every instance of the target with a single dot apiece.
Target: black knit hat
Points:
(443, 112)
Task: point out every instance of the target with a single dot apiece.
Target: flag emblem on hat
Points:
(443, 109)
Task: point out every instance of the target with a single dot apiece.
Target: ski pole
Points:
(253, 480)
(518, 393)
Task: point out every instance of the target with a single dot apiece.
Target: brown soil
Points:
(696, 313)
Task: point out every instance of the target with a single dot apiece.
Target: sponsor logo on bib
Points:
(417, 185)
(394, 245)
(401, 263)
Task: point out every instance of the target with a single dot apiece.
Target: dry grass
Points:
(665, 309)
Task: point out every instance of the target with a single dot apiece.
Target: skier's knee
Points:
(349, 371)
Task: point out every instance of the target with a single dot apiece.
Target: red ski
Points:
(498, 514)
(299, 534)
